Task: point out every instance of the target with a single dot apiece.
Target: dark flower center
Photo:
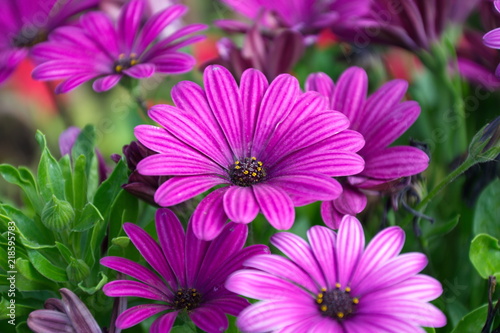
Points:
(29, 37)
(337, 304)
(124, 62)
(247, 172)
(188, 299)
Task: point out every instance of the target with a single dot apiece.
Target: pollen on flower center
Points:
(188, 299)
(124, 62)
(247, 172)
(337, 303)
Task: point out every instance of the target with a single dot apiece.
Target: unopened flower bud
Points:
(57, 215)
(77, 270)
(485, 145)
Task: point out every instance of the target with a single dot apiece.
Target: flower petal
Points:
(164, 323)
(187, 163)
(126, 288)
(321, 83)
(322, 241)
(209, 217)
(351, 201)
(492, 39)
(240, 204)
(138, 313)
(350, 246)
(395, 162)
(209, 318)
(173, 63)
(275, 205)
(140, 71)
(179, 189)
(106, 83)
(350, 93)
(330, 215)
(128, 24)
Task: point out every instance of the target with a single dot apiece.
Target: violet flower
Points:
(381, 119)
(192, 275)
(67, 315)
(98, 49)
(410, 24)
(306, 16)
(26, 23)
(333, 284)
(270, 147)
(492, 38)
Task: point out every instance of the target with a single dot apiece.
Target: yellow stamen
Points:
(237, 167)
(118, 68)
(340, 315)
(254, 158)
(355, 300)
(337, 285)
(246, 172)
(319, 300)
(133, 62)
(323, 289)
(237, 162)
(254, 174)
(259, 163)
(347, 290)
(259, 169)
(324, 308)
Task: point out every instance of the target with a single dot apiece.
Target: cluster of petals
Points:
(492, 38)
(333, 284)
(192, 274)
(99, 48)
(268, 148)
(381, 119)
(27, 22)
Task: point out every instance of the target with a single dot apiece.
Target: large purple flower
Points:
(271, 147)
(334, 284)
(25, 23)
(98, 49)
(381, 119)
(193, 273)
(306, 16)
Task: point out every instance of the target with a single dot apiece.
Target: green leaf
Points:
(50, 177)
(485, 255)
(46, 268)
(441, 229)
(28, 278)
(109, 189)
(67, 171)
(430, 329)
(126, 207)
(79, 184)
(89, 217)
(23, 178)
(65, 252)
(473, 321)
(97, 287)
(488, 210)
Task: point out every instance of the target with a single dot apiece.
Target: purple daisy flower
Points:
(334, 284)
(381, 119)
(306, 16)
(28, 22)
(271, 147)
(99, 49)
(193, 273)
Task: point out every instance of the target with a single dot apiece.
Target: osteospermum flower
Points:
(99, 49)
(381, 118)
(333, 284)
(271, 147)
(26, 23)
(192, 275)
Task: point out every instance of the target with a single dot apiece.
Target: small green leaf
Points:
(67, 171)
(473, 321)
(485, 255)
(65, 252)
(50, 177)
(109, 189)
(79, 184)
(28, 278)
(122, 241)
(430, 329)
(125, 209)
(97, 287)
(23, 178)
(441, 229)
(488, 210)
(46, 268)
(89, 217)
(85, 145)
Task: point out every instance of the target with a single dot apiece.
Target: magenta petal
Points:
(98, 27)
(269, 316)
(395, 162)
(384, 246)
(347, 140)
(300, 253)
(385, 323)
(173, 63)
(350, 246)
(321, 83)
(231, 305)
(9, 60)
(136, 314)
(223, 97)
(284, 268)
(330, 215)
(107, 82)
(492, 39)
(351, 201)
(240, 204)
(128, 23)
(350, 93)
(179, 189)
(195, 252)
(275, 205)
(171, 236)
(73, 82)
(186, 163)
(140, 71)
(209, 318)
(209, 216)
(322, 242)
(164, 323)
(125, 288)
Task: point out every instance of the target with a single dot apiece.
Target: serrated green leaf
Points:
(488, 210)
(473, 321)
(485, 255)
(89, 217)
(46, 268)
(65, 252)
(50, 177)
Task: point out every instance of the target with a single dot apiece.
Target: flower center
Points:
(336, 303)
(188, 299)
(29, 38)
(125, 62)
(247, 172)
